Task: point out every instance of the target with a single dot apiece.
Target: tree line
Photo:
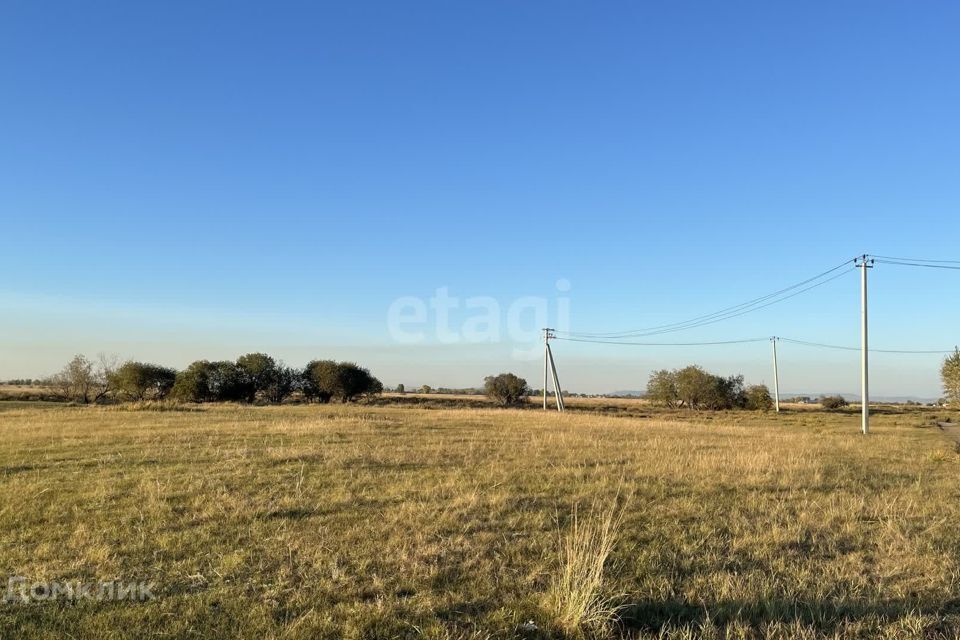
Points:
(254, 377)
(259, 377)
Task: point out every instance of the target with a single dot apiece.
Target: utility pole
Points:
(546, 364)
(549, 366)
(776, 376)
(864, 262)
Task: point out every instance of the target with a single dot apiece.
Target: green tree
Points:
(356, 381)
(319, 380)
(950, 374)
(193, 383)
(227, 382)
(662, 388)
(728, 393)
(758, 398)
(506, 389)
(139, 380)
(282, 384)
(324, 380)
(694, 388)
(270, 379)
(401, 388)
(260, 370)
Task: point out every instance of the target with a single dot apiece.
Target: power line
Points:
(729, 312)
(663, 344)
(805, 343)
(845, 348)
(916, 259)
(927, 265)
(709, 316)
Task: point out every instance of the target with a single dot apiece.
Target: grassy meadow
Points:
(421, 521)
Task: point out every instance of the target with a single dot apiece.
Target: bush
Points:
(266, 377)
(759, 398)
(324, 380)
(193, 383)
(229, 383)
(142, 381)
(662, 388)
(833, 402)
(318, 381)
(506, 389)
(82, 380)
(355, 381)
(694, 388)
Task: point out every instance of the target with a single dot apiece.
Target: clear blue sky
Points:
(195, 180)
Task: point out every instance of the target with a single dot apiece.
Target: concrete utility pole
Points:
(776, 376)
(549, 366)
(546, 364)
(864, 262)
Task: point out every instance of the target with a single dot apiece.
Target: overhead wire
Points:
(916, 259)
(729, 312)
(662, 344)
(927, 265)
(871, 350)
(805, 343)
(620, 338)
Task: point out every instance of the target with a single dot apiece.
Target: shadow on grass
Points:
(827, 617)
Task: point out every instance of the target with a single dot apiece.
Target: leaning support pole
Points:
(556, 380)
(776, 376)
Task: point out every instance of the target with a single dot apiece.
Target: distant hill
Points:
(855, 397)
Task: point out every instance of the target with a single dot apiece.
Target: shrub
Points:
(355, 381)
(193, 383)
(662, 388)
(142, 381)
(318, 381)
(506, 389)
(758, 398)
(324, 380)
(694, 388)
(230, 383)
(82, 380)
(833, 402)
(266, 377)
(205, 381)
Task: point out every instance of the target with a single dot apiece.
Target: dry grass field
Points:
(419, 522)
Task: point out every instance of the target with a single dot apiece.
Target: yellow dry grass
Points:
(403, 522)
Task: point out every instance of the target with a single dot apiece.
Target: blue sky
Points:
(198, 180)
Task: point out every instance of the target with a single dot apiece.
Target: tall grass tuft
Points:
(577, 595)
